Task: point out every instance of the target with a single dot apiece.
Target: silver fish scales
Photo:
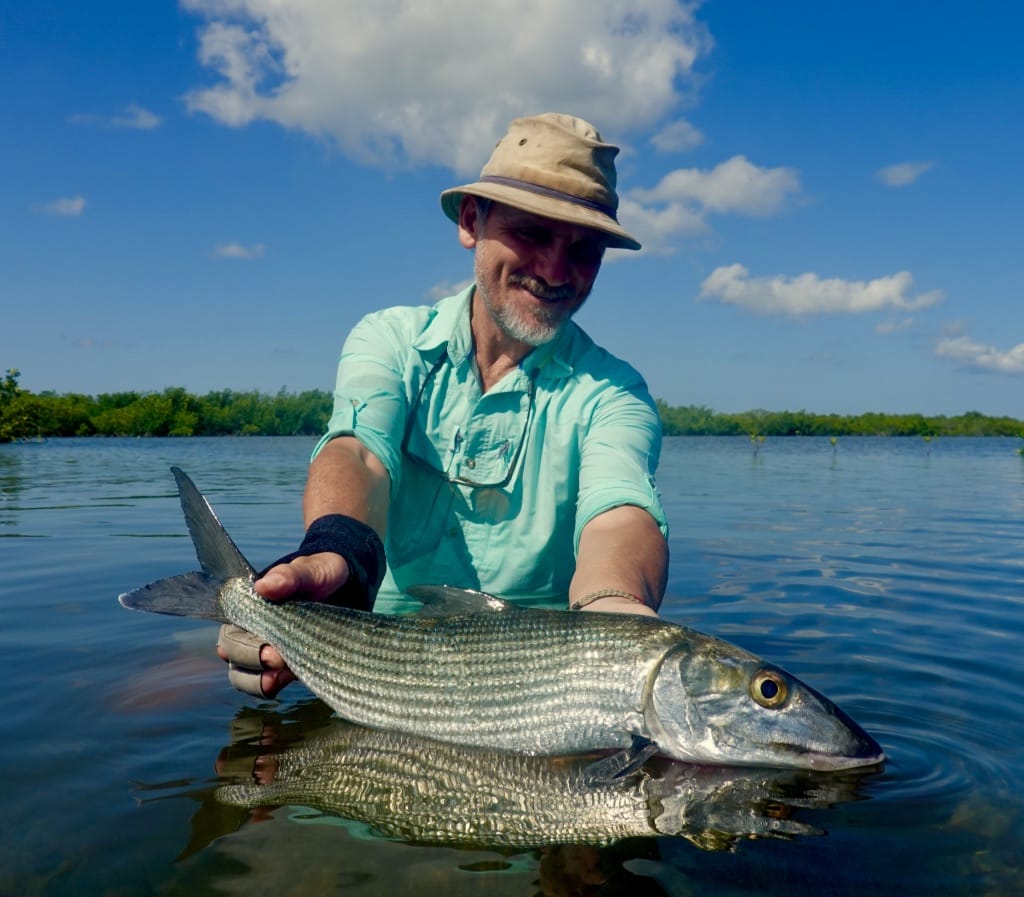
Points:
(431, 792)
(513, 678)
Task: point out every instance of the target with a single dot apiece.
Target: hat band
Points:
(551, 194)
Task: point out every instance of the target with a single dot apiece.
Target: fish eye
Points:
(769, 689)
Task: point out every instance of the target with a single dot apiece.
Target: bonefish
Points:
(473, 669)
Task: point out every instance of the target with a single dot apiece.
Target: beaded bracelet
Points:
(605, 593)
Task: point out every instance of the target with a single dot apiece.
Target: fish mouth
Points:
(870, 754)
(850, 749)
(833, 763)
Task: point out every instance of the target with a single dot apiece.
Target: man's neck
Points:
(495, 352)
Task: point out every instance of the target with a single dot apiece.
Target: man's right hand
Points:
(344, 479)
(312, 578)
(256, 667)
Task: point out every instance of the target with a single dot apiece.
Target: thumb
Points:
(312, 578)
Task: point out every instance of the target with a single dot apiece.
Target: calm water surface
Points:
(887, 573)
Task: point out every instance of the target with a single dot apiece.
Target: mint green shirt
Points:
(492, 490)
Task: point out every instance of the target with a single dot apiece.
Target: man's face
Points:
(532, 273)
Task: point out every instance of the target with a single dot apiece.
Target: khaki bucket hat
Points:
(552, 165)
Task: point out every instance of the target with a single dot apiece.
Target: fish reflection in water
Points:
(426, 792)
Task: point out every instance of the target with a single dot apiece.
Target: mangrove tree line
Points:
(175, 412)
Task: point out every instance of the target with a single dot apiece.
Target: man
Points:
(486, 439)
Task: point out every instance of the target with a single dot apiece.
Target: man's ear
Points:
(468, 221)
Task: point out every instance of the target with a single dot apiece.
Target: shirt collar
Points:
(448, 328)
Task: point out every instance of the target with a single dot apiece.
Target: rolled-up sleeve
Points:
(370, 393)
(619, 456)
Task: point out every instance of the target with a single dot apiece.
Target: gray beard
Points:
(530, 329)
(526, 329)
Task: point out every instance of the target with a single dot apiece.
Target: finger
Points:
(271, 660)
(247, 681)
(313, 578)
(240, 647)
(259, 683)
(261, 769)
(274, 680)
(247, 651)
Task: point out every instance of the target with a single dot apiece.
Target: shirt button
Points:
(453, 531)
(470, 463)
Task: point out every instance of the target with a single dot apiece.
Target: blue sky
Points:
(210, 194)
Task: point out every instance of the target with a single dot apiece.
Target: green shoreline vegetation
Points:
(175, 412)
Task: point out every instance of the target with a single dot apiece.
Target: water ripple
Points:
(890, 580)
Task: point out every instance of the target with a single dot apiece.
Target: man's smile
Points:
(542, 290)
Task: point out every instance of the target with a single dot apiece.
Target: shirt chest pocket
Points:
(479, 447)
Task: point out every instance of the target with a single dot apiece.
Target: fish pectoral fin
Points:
(622, 764)
(450, 601)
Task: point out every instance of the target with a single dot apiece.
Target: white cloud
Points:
(447, 288)
(138, 118)
(735, 185)
(903, 174)
(239, 251)
(132, 116)
(809, 294)
(417, 82)
(676, 137)
(967, 352)
(679, 205)
(66, 207)
(887, 327)
(656, 227)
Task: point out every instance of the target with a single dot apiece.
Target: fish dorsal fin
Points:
(218, 555)
(449, 601)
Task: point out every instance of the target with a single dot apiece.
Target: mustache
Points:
(541, 288)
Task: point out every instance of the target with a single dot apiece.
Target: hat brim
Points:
(546, 206)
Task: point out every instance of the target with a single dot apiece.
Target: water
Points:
(887, 573)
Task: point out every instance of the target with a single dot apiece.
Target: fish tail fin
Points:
(195, 594)
(218, 555)
(189, 595)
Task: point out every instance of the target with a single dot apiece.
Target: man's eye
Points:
(534, 235)
(586, 253)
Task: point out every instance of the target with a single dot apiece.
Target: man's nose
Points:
(551, 262)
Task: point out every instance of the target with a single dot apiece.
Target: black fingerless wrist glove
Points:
(361, 548)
